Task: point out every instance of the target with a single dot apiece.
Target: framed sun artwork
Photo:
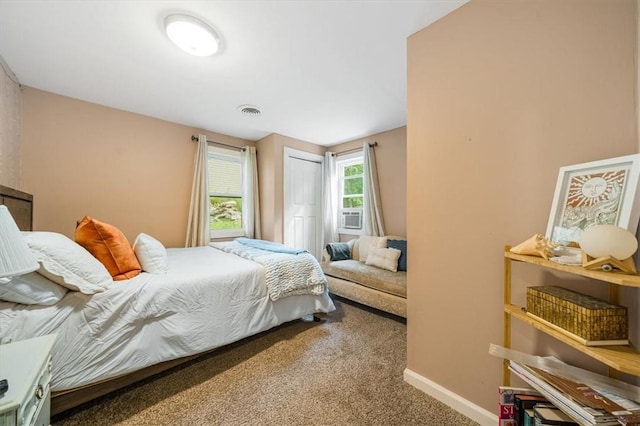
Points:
(596, 193)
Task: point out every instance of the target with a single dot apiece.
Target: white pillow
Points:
(67, 263)
(31, 289)
(151, 254)
(367, 242)
(385, 258)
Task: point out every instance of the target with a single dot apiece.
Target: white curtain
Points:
(330, 200)
(373, 222)
(250, 194)
(199, 207)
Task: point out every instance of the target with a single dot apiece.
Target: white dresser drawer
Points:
(27, 367)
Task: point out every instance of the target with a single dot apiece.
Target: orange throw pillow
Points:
(109, 245)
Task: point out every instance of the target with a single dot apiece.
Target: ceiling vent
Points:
(249, 110)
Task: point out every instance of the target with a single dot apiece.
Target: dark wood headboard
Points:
(20, 205)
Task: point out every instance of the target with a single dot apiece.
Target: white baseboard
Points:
(461, 405)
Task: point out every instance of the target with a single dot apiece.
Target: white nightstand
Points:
(27, 367)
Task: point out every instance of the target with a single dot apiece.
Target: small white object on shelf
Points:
(608, 240)
(609, 247)
(567, 255)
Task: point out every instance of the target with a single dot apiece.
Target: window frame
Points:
(228, 155)
(342, 162)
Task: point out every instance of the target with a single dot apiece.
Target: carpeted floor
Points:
(345, 370)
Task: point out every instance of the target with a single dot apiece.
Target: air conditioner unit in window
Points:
(351, 220)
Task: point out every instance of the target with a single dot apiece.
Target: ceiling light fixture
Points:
(249, 110)
(192, 35)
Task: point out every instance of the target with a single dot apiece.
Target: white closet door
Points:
(303, 201)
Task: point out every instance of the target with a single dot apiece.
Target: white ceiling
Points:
(325, 72)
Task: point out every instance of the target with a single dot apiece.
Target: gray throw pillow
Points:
(339, 251)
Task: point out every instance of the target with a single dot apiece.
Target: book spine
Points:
(506, 403)
(529, 418)
(525, 402)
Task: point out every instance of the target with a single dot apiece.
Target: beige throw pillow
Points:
(367, 242)
(385, 258)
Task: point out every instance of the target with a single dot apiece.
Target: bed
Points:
(136, 327)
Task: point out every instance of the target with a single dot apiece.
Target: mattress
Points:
(207, 299)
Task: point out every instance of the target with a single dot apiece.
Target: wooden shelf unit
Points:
(612, 277)
(625, 359)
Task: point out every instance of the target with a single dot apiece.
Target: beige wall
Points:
(130, 170)
(637, 334)
(10, 126)
(135, 171)
(500, 95)
(391, 158)
(266, 181)
(271, 180)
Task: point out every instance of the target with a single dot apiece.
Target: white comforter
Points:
(207, 299)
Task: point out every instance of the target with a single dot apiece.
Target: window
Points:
(350, 181)
(225, 192)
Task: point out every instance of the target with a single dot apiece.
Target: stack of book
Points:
(513, 402)
(516, 405)
(527, 407)
(524, 406)
(582, 403)
(548, 415)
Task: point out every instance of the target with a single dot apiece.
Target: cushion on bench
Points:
(369, 276)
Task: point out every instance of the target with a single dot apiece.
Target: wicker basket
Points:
(582, 315)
